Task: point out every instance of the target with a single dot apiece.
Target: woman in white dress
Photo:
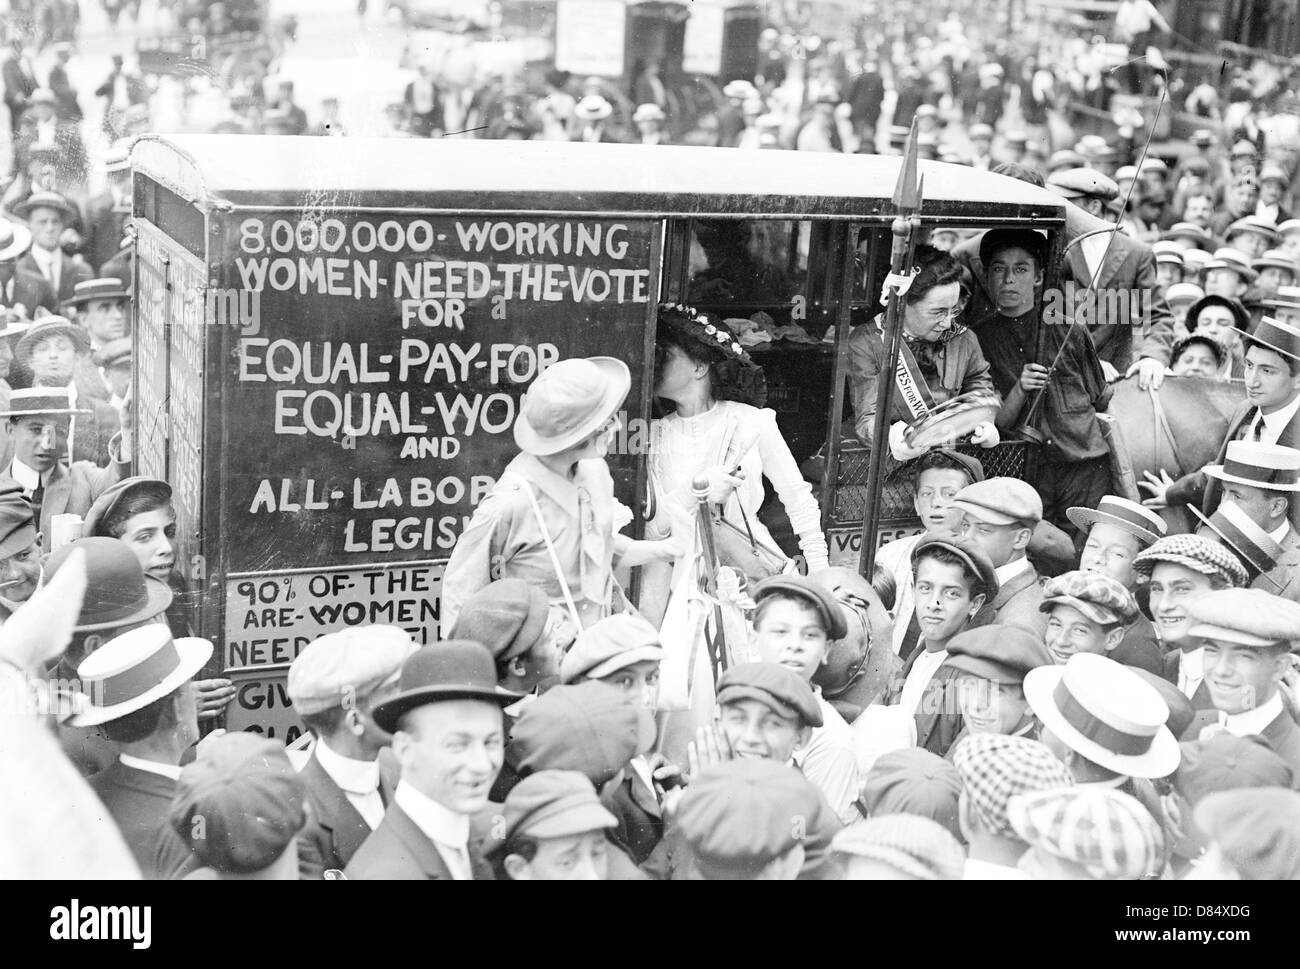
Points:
(710, 386)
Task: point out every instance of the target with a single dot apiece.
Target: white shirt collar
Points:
(351, 775)
(152, 766)
(440, 824)
(44, 257)
(1253, 722)
(1275, 422)
(1191, 669)
(1006, 573)
(29, 478)
(1279, 534)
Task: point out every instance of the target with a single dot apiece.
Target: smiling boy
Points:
(794, 623)
(1087, 612)
(1182, 569)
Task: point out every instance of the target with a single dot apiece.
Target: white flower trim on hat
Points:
(720, 334)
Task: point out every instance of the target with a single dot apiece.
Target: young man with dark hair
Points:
(1268, 415)
(554, 830)
(953, 581)
(1020, 340)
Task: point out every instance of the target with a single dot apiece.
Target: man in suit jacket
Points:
(56, 353)
(139, 685)
(333, 685)
(47, 215)
(17, 284)
(19, 80)
(1248, 637)
(999, 517)
(1128, 299)
(1268, 416)
(448, 737)
(68, 107)
(38, 427)
(41, 125)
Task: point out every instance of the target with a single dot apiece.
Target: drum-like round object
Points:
(952, 420)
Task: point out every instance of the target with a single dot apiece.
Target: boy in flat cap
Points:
(589, 727)
(794, 623)
(993, 769)
(1248, 637)
(747, 820)
(999, 517)
(1087, 613)
(913, 781)
(514, 620)
(1181, 570)
(334, 684)
(554, 830)
(987, 689)
(449, 739)
(953, 581)
(938, 477)
(239, 806)
(623, 652)
(898, 847)
(1116, 532)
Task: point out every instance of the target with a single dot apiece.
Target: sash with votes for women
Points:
(912, 388)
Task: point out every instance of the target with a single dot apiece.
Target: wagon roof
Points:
(524, 176)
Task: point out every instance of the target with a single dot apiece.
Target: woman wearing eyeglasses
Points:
(939, 360)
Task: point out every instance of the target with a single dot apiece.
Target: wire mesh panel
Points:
(1010, 459)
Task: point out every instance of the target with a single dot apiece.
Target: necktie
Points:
(910, 638)
(1259, 427)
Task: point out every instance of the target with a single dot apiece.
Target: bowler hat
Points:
(104, 505)
(456, 669)
(1133, 518)
(17, 526)
(508, 616)
(569, 402)
(118, 593)
(44, 200)
(47, 327)
(1104, 712)
(15, 239)
(132, 670)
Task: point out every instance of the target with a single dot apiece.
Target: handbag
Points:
(738, 548)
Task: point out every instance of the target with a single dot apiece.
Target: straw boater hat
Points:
(93, 289)
(42, 402)
(133, 670)
(1253, 223)
(1128, 515)
(1287, 296)
(1255, 548)
(1106, 713)
(569, 402)
(1225, 257)
(15, 239)
(1276, 259)
(47, 327)
(1272, 467)
(1183, 292)
(1276, 336)
(1188, 230)
(648, 112)
(44, 200)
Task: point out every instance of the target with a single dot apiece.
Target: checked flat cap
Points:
(1097, 596)
(995, 767)
(1106, 832)
(1194, 552)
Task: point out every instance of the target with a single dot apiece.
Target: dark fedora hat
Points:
(117, 591)
(456, 669)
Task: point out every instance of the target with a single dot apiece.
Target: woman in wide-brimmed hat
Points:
(552, 518)
(713, 391)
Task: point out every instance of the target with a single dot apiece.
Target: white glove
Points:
(985, 434)
(899, 448)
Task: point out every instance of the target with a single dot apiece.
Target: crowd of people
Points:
(1051, 681)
